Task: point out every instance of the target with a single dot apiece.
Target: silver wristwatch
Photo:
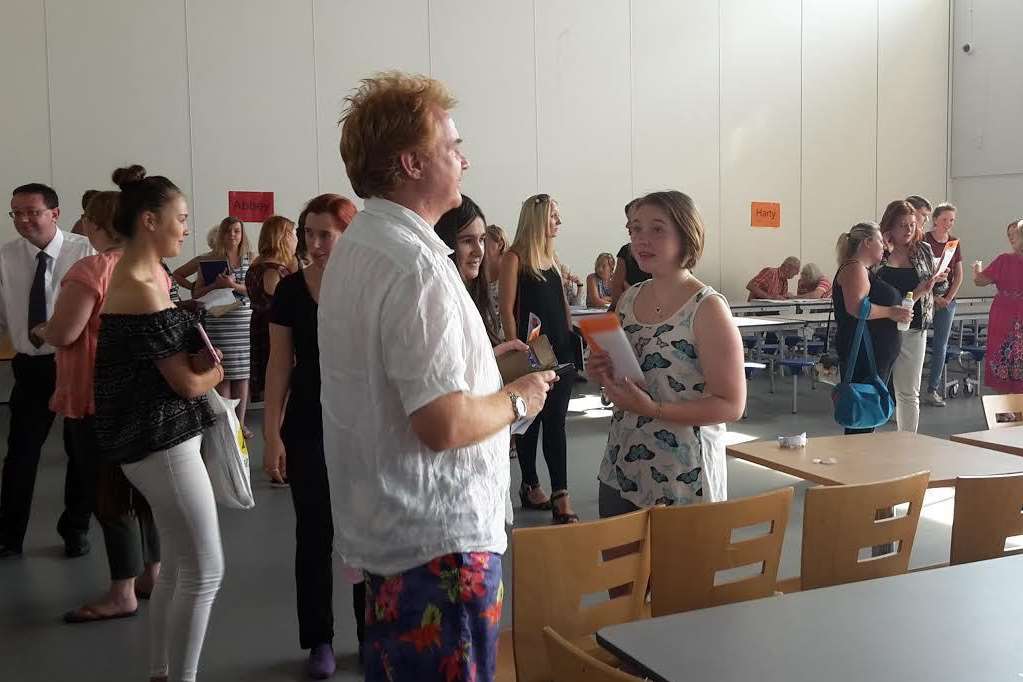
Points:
(518, 406)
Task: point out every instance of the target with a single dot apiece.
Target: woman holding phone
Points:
(150, 386)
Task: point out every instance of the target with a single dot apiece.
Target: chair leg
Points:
(980, 375)
(795, 390)
(770, 371)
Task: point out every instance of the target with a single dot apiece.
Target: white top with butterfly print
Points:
(651, 461)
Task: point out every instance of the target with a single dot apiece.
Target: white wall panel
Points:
(760, 140)
(491, 72)
(675, 129)
(252, 99)
(354, 40)
(582, 62)
(24, 116)
(987, 101)
(912, 122)
(839, 173)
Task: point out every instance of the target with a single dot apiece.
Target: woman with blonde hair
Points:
(531, 286)
(276, 260)
(598, 283)
(230, 332)
(910, 269)
(859, 252)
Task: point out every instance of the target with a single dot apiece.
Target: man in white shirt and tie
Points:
(31, 269)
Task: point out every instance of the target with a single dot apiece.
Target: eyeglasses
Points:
(32, 213)
(541, 198)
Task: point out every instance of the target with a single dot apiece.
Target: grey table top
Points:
(944, 625)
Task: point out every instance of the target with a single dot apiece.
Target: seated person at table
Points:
(813, 283)
(773, 283)
(598, 283)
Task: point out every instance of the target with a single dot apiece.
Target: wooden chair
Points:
(690, 544)
(556, 567)
(569, 663)
(841, 520)
(987, 511)
(1001, 411)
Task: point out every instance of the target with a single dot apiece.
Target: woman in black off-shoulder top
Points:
(150, 386)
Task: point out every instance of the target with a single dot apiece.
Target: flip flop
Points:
(87, 614)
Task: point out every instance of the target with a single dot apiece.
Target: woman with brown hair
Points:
(909, 268)
(73, 329)
(276, 260)
(531, 287)
(666, 444)
(230, 332)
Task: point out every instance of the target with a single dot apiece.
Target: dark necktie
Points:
(37, 299)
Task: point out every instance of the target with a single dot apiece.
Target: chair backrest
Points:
(988, 509)
(1003, 410)
(839, 521)
(556, 567)
(691, 544)
(569, 663)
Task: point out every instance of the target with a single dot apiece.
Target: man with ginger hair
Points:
(415, 419)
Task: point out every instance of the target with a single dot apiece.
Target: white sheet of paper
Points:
(946, 258)
(218, 297)
(520, 426)
(617, 346)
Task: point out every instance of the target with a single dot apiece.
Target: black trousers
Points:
(555, 443)
(31, 419)
(131, 542)
(314, 544)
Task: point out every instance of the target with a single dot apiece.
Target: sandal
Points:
(527, 503)
(88, 614)
(561, 518)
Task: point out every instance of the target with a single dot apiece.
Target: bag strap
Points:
(862, 335)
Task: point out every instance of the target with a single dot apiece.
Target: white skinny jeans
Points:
(907, 374)
(177, 487)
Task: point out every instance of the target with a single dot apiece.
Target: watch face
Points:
(520, 407)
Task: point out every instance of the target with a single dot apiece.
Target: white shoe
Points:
(934, 398)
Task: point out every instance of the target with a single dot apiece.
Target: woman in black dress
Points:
(294, 434)
(531, 285)
(859, 251)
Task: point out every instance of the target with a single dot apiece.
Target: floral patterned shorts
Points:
(439, 621)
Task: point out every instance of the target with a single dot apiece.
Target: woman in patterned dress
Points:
(1003, 369)
(230, 331)
(666, 444)
(276, 260)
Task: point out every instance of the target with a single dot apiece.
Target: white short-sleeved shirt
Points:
(397, 330)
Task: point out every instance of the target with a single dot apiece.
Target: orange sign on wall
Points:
(765, 214)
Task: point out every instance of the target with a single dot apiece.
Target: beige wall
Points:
(832, 108)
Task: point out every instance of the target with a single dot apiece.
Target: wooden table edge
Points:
(987, 445)
(822, 480)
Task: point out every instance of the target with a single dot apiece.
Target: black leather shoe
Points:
(8, 552)
(76, 548)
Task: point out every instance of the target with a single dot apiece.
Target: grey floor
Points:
(253, 631)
